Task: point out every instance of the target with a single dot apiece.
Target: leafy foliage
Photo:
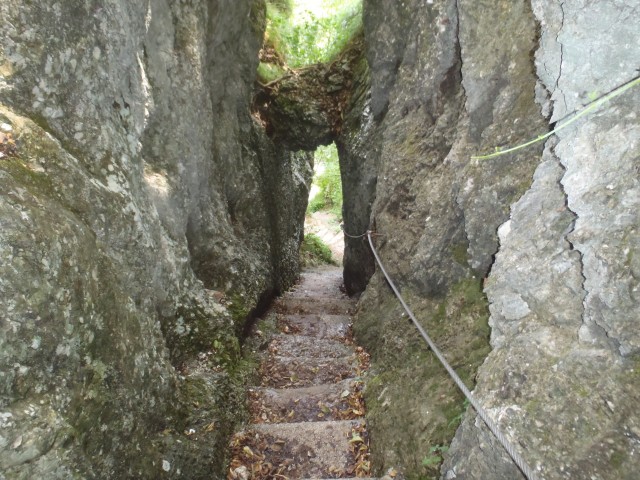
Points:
(435, 456)
(327, 179)
(268, 72)
(455, 421)
(305, 32)
(314, 251)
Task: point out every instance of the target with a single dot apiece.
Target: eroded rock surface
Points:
(303, 109)
(143, 215)
(562, 377)
(436, 210)
(549, 238)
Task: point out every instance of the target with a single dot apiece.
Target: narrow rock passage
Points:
(308, 412)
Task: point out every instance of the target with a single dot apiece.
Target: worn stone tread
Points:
(308, 305)
(319, 325)
(317, 285)
(307, 404)
(288, 372)
(315, 447)
(307, 346)
(310, 401)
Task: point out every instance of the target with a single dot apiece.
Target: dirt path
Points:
(308, 412)
(325, 225)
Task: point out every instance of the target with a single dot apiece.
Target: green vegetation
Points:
(459, 253)
(435, 455)
(237, 308)
(407, 369)
(457, 420)
(268, 72)
(304, 32)
(314, 251)
(327, 181)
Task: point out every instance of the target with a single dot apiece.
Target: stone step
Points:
(293, 372)
(307, 346)
(319, 305)
(337, 401)
(317, 284)
(322, 273)
(308, 411)
(307, 450)
(317, 325)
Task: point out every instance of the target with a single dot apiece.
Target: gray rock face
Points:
(563, 290)
(556, 257)
(140, 186)
(359, 152)
(144, 214)
(436, 210)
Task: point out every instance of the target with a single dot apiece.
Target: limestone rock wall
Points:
(142, 217)
(522, 266)
(562, 376)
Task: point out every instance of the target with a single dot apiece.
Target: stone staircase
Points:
(308, 412)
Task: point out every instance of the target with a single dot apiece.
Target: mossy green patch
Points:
(412, 402)
(268, 72)
(459, 253)
(238, 308)
(618, 458)
(38, 183)
(313, 251)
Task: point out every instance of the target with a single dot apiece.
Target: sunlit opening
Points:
(324, 211)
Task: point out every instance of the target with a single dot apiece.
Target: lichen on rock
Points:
(549, 235)
(133, 207)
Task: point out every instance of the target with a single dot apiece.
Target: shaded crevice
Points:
(557, 84)
(588, 330)
(262, 306)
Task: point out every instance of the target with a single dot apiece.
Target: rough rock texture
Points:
(140, 187)
(303, 109)
(358, 149)
(459, 78)
(437, 210)
(563, 376)
(144, 214)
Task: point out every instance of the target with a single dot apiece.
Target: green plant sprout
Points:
(458, 418)
(435, 455)
(576, 115)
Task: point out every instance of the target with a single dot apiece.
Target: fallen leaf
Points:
(248, 451)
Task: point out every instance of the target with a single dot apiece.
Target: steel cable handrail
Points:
(513, 453)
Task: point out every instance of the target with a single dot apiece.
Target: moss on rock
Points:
(412, 402)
